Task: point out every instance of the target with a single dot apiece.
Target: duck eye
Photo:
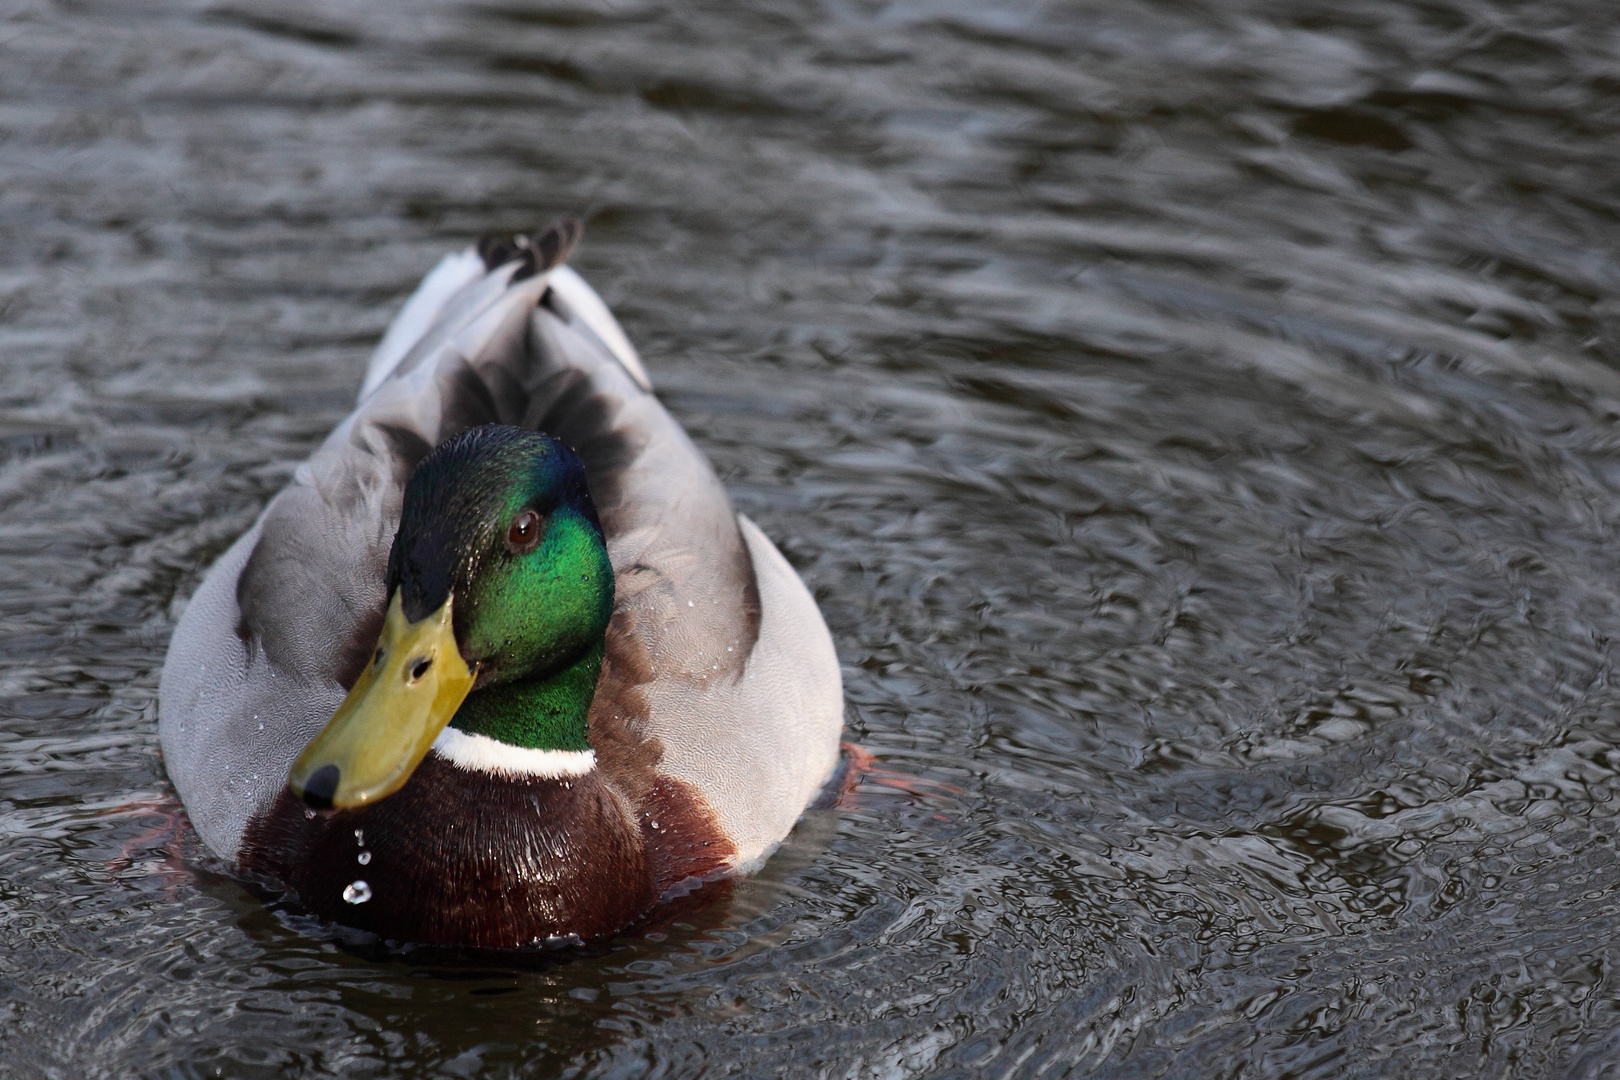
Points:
(525, 531)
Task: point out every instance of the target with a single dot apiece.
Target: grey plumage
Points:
(720, 669)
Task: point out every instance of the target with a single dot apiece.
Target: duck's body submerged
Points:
(709, 700)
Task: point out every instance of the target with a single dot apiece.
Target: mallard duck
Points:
(502, 665)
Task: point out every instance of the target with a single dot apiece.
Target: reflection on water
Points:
(1196, 419)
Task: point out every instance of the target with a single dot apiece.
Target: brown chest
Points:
(465, 858)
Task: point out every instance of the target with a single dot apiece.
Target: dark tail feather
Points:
(539, 253)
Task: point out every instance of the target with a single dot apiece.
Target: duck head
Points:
(499, 594)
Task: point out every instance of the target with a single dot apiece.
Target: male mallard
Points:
(573, 681)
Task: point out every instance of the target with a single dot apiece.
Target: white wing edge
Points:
(416, 318)
(583, 301)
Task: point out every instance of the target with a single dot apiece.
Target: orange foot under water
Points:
(864, 774)
(165, 838)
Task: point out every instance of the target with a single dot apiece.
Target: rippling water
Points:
(1199, 422)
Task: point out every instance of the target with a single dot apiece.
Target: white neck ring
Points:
(480, 753)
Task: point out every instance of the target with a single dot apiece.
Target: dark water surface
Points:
(1199, 421)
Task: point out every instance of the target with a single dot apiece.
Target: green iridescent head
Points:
(499, 523)
(500, 520)
(499, 595)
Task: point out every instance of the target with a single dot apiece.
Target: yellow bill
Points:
(379, 735)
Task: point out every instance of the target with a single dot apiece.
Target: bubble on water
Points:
(358, 892)
(364, 858)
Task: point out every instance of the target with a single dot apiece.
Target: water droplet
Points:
(690, 604)
(364, 858)
(360, 837)
(655, 825)
(358, 892)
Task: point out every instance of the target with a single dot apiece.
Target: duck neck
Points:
(546, 712)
